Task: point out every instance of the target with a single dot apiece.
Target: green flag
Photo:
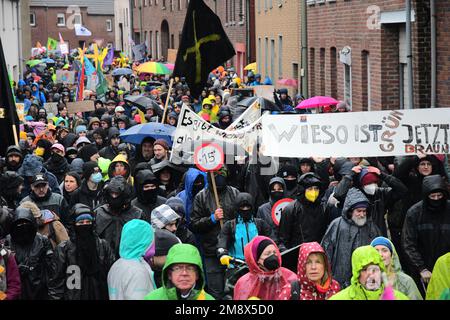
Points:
(52, 44)
(102, 85)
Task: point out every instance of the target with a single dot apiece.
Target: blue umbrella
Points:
(122, 72)
(48, 60)
(137, 133)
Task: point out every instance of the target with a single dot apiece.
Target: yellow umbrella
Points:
(251, 66)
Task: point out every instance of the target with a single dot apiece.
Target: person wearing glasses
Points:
(183, 277)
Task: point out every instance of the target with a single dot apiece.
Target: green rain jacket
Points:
(439, 286)
(181, 253)
(362, 257)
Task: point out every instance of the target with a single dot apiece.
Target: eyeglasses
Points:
(180, 268)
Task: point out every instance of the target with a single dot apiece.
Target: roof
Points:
(97, 7)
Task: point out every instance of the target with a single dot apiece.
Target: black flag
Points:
(8, 112)
(204, 46)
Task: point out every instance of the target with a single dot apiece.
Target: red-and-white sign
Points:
(277, 208)
(209, 157)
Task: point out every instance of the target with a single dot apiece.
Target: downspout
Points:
(433, 53)
(141, 32)
(19, 34)
(304, 44)
(247, 31)
(409, 55)
(131, 17)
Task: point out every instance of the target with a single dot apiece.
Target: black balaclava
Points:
(198, 185)
(9, 184)
(120, 186)
(144, 177)
(288, 170)
(24, 228)
(244, 199)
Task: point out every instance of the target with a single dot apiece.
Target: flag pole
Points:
(15, 134)
(167, 101)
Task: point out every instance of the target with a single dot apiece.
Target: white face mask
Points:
(359, 221)
(370, 189)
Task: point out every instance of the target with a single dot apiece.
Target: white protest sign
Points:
(357, 134)
(65, 76)
(277, 209)
(64, 47)
(193, 131)
(209, 157)
(51, 107)
(265, 91)
(252, 114)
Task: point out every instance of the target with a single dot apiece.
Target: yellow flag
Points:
(141, 114)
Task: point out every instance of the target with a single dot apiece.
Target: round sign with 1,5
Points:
(277, 209)
(209, 157)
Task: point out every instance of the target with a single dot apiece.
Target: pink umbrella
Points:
(288, 82)
(170, 66)
(315, 102)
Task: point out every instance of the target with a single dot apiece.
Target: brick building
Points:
(50, 17)
(159, 24)
(277, 35)
(357, 52)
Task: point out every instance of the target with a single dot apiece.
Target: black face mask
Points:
(196, 188)
(246, 215)
(290, 184)
(23, 234)
(57, 158)
(276, 195)
(86, 249)
(221, 183)
(150, 196)
(436, 205)
(116, 203)
(271, 263)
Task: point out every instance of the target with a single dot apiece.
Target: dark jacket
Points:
(383, 198)
(91, 198)
(426, 233)
(66, 256)
(58, 166)
(255, 182)
(52, 182)
(53, 202)
(34, 261)
(109, 152)
(201, 222)
(343, 236)
(302, 221)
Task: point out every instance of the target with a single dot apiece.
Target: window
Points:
(171, 5)
(77, 18)
(172, 41)
(150, 43)
(265, 5)
(157, 45)
(280, 57)
(61, 20)
(322, 71)
(241, 11)
(126, 17)
(365, 80)
(164, 5)
(333, 72)
(272, 59)
(226, 12)
(266, 55)
(312, 72)
(109, 25)
(270, 4)
(179, 5)
(348, 84)
(259, 6)
(295, 72)
(32, 19)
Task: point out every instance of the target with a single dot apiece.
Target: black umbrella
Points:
(144, 102)
(265, 103)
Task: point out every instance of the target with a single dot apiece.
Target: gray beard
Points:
(359, 221)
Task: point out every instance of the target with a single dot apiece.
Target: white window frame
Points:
(109, 25)
(58, 16)
(33, 23)
(75, 20)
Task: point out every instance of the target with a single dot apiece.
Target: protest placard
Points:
(20, 107)
(252, 114)
(51, 107)
(264, 92)
(80, 106)
(65, 76)
(357, 134)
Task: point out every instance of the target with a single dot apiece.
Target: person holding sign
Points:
(205, 223)
(304, 219)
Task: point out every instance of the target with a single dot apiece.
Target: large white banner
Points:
(357, 134)
(248, 117)
(192, 131)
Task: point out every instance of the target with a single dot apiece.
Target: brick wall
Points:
(46, 26)
(443, 53)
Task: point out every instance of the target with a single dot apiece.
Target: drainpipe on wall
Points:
(409, 55)
(433, 52)
(131, 17)
(19, 38)
(247, 30)
(304, 44)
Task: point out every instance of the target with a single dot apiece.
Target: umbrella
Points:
(288, 82)
(122, 72)
(251, 66)
(144, 102)
(137, 133)
(33, 63)
(317, 101)
(153, 67)
(49, 61)
(170, 66)
(264, 103)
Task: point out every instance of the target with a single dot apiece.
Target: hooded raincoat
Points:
(440, 279)
(362, 257)
(343, 236)
(259, 283)
(308, 289)
(186, 195)
(181, 253)
(130, 277)
(127, 175)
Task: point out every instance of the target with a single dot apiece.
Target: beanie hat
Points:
(288, 170)
(368, 178)
(84, 216)
(258, 247)
(383, 242)
(163, 143)
(88, 169)
(177, 205)
(88, 151)
(361, 204)
(77, 165)
(164, 240)
(162, 216)
(80, 128)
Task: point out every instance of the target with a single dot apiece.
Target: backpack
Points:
(295, 290)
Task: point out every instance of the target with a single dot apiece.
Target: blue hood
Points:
(186, 194)
(137, 236)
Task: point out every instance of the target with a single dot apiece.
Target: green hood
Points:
(182, 253)
(137, 236)
(395, 261)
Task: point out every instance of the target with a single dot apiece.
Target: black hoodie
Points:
(110, 152)
(145, 201)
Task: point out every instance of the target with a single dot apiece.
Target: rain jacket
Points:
(362, 257)
(212, 113)
(265, 210)
(440, 279)
(402, 282)
(181, 253)
(343, 236)
(426, 234)
(121, 158)
(186, 194)
(308, 289)
(131, 277)
(259, 283)
(109, 152)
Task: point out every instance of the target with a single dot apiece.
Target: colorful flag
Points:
(52, 44)
(102, 85)
(109, 57)
(204, 46)
(8, 112)
(81, 31)
(90, 69)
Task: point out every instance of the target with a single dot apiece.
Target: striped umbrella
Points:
(153, 67)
